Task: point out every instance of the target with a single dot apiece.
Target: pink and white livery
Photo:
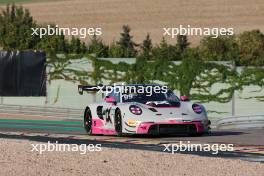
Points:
(142, 113)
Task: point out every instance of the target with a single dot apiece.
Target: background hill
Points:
(149, 15)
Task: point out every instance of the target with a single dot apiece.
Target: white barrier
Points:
(239, 122)
(66, 113)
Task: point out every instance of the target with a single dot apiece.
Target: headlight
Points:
(135, 110)
(197, 108)
(133, 122)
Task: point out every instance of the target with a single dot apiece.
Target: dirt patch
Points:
(16, 158)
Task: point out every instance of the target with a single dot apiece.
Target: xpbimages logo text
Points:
(189, 30)
(82, 32)
(187, 146)
(60, 147)
(124, 89)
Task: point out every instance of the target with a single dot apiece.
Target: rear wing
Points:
(98, 88)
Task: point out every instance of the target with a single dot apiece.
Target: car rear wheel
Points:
(88, 121)
(118, 122)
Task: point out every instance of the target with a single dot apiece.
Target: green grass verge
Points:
(57, 128)
(40, 122)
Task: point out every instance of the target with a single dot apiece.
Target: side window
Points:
(115, 95)
(171, 96)
(110, 94)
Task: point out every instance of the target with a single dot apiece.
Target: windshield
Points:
(167, 98)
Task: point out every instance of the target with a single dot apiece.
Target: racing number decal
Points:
(106, 115)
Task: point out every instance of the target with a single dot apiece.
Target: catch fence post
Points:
(233, 96)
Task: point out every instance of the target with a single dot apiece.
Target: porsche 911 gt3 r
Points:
(142, 113)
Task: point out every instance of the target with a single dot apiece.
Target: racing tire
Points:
(87, 121)
(118, 122)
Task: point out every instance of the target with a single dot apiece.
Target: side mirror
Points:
(110, 100)
(184, 98)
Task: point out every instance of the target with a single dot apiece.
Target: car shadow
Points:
(213, 133)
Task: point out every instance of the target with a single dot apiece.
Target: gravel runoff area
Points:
(16, 158)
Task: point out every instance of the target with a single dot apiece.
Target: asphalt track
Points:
(248, 144)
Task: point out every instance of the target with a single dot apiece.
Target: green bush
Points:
(15, 29)
(251, 48)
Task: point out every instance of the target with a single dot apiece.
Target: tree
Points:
(161, 58)
(53, 44)
(76, 46)
(126, 42)
(97, 47)
(251, 48)
(141, 71)
(186, 72)
(15, 29)
(146, 47)
(165, 51)
(182, 43)
(219, 49)
(115, 50)
(195, 78)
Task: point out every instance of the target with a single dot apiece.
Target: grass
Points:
(40, 124)
(57, 128)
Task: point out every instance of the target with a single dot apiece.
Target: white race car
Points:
(141, 113)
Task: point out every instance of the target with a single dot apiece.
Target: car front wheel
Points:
(118, 122)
